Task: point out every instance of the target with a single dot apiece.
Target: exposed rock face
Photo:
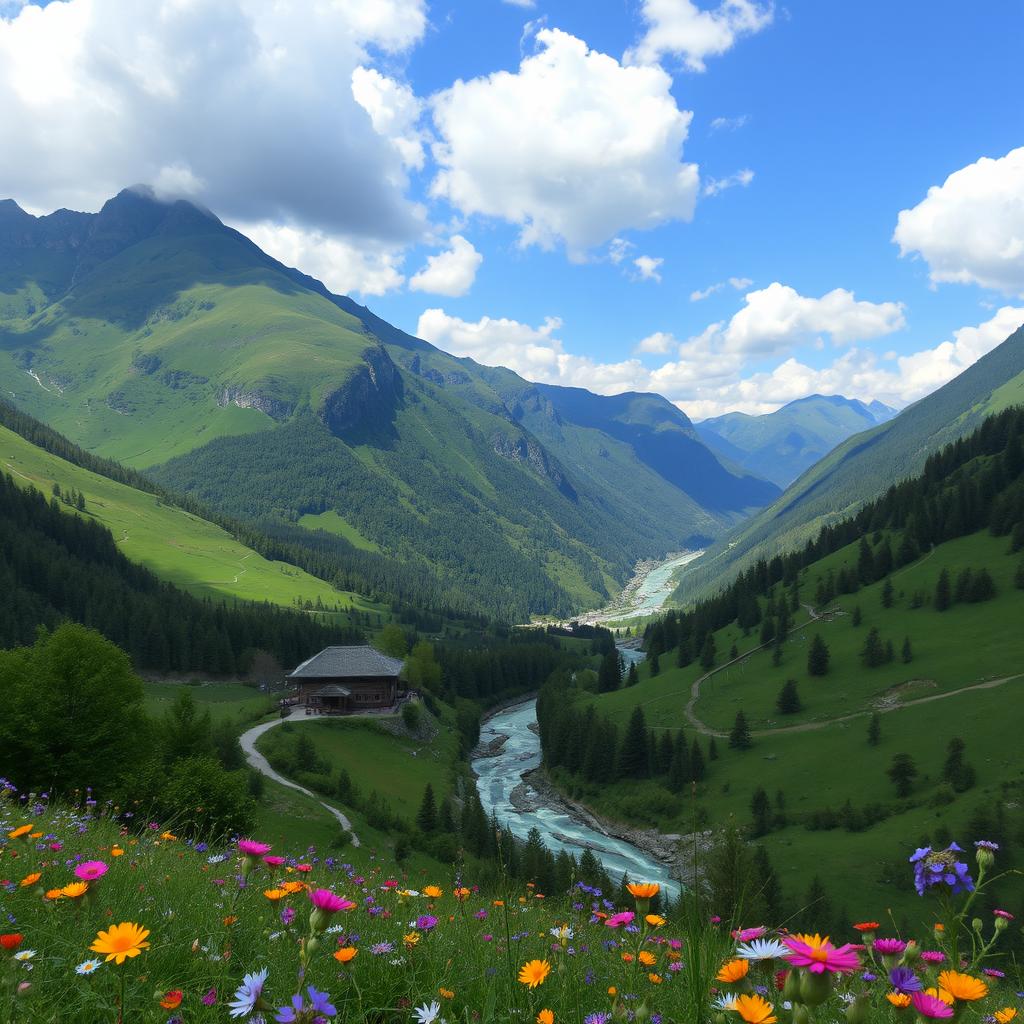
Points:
(250, 398)
(368, 398)
(435, 376)
(532, 401)
(526, 449)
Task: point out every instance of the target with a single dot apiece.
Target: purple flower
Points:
(903, 979)
(940, 867)
(249, 993)
(601, 1017)
(210, 998)
(425, 922)
(318, 1004)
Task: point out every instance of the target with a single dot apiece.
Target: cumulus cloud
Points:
(647, 267)
(970, 229)
(658, 343)
(678, 28)
(715, 185)
(451, 272)
(739, 283)
(247, 106)
(572, 147)
(394, 112)
(343, 264)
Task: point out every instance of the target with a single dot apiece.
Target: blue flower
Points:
(941, 867)
(903, 979)
(248, 994)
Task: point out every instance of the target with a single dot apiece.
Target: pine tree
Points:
(788, 702)
(873, 652)
(902, 772)
(767, 630)
(942, 592)
(632, 677)
(817, 657)
(739, 736)
(906, 654)
(679, 770)
(609, 675)
(707, 654)
(761, 812)
(856, 618)
(777, 653)
(887, 593)
(865, 562)
(426, 816)
(634, 755)
(732, 881)
(889, 652)
(982, 587)
(697, 769)
(655, 663)
(665, 751)
(875, 729)
(956, 771)
(684, 654)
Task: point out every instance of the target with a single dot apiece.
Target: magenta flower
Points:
(251, 848)
(618, 920)
(890, 947)
(329, 902)
(90, 870)
(749, 934)
(930, 1006)
(822, 956)
(273, 861)
(933, 956)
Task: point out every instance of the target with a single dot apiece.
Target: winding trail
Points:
(260, 763)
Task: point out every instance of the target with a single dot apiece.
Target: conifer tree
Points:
(856, 618)
(817, 657)
(733, 652)
(788, 702)
(739, 735)
(679, 770)
(632, 676)
(761, 812)
(875, 729)
(1018, 577)
(887, 593)
(942, 592)
(865, 562)
(906, 653)
(665, 751)
(873, 652)
(609, 675)
(707, 654)
(634, 754)
(684, 653)
(426, 816)
(655, 663)
(697, 769)
(902, 772)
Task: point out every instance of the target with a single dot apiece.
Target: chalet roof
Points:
(332, 690)
(348, 662)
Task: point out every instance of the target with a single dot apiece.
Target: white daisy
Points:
(724, 1001)
(88, 966)
(24, 954)
(761, 949)
(427, 1014)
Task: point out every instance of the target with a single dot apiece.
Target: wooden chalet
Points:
(347, 680)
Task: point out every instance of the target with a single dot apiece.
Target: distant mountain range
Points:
(153, 334)
(782, 444)
(865, 465)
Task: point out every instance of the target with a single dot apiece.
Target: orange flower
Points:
(433, 892)
(613, 991)
(54, 894)
(461, 893)
(655, 920)
(446, 993)
(31, 879)
(627, 958)
(546, 1017)
(498, 903)
(74, 890)
(116, 851)
(228, 922)
(411, 939)
(345, 954)
(733, 971)
(21, 830)
(754, 1009)
(646, 958)
(533, 973)
(898, 999)
(963, 986)
(274, 894)
(643, 890)
(291, 887)
(654, 979)
(940, 993)
(1005, 1015)
(867, 926)
(172, 999)
(121, 941)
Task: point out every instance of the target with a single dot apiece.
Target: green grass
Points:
(223, 700)
(331, 522)
(177, 546)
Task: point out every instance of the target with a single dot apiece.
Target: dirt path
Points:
(260, 763)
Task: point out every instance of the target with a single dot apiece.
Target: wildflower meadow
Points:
(108, 922)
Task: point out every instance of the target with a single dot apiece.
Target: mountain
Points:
(782, 444)
(865, 466)
(152, 333)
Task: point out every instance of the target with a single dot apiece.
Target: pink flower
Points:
(933, 956)
(1003, 913)
(273, 861)
(210, 998)
(251, 848)
(930, 1006)
(329, 902)
(90, 870)
(749, 934)
(821, 956)
(890, 947)
(617, 920)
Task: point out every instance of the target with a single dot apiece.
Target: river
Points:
(498, 776)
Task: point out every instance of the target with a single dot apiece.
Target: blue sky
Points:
(814, 124)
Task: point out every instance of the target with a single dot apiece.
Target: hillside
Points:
(151, 333)
(917, 602)
(864, 465)
(782, 444)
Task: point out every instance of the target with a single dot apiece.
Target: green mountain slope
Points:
(782, 444)
(152, 333)
(863, 466)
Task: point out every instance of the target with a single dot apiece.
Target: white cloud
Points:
(739, 283)
(246, 105)
(729, 124)
(394, 112)
(658, 343)
(678, 28)
(715, 185)
(970, 229)
(700, 294)
(648, 266)
(573, 147)
(520, 3)
(343, 264)
(777, 317)
(618, 248)
(451, 272)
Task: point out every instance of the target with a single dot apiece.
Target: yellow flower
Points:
(1005, 1015)
(654, 979)
(446, 993)
(963, 986)
(54, 894)
(168, 837)
(274, 894)
(546, 1017)
(21, 830)
(655, 920)
(646, 958)
(898, 999)
(643, 890)
(534, 972)
(940, 993)
(74, 890)
(121, 941)
(116, 851)
(754, 1009)
(31, 879)
(461, 893)
(411, 939)
(291, 887)
(345, 954)
(613, 991)
(433, 892)
(732, 971)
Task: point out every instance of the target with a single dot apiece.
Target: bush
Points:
(412, 716)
